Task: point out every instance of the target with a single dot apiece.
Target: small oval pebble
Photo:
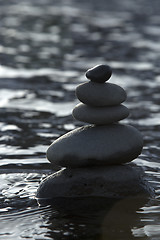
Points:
(95, 94)
(99, 73)
(100, 115)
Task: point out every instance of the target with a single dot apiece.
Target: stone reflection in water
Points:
(93, 218)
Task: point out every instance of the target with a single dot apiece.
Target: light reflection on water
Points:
(46, 47)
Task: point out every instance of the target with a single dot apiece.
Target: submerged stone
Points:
(96, 145)
(112, 182)
(95, 94)
(100, 115)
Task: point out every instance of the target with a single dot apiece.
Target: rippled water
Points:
(45, 49)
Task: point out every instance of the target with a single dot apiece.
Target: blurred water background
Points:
(45, 48)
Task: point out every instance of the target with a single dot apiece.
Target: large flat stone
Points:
(96, 94)
(100, 115)
(96, 145)
(111, 182)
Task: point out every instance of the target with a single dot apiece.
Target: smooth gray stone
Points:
(95, 94)
(100, 115)
(111, 182)
(99, 73)
(96, 145)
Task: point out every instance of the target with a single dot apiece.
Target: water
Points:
(45, 49)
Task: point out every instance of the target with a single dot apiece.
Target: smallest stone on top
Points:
(99, 74)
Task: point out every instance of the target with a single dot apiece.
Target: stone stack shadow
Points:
(96, 157)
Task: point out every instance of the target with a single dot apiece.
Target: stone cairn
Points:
(95, 157)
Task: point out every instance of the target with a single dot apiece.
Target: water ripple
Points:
(43, 58)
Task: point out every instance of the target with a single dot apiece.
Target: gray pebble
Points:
(99, 73)
(95, 94)
(96, 145)
(100, 115)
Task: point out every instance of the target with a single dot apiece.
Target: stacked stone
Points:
(104, 142)
(101, 102)
(94, 154)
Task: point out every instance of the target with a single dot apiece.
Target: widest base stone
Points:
(111, 182)
(93, 145)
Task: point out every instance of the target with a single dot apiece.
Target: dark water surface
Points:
(45, 48)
